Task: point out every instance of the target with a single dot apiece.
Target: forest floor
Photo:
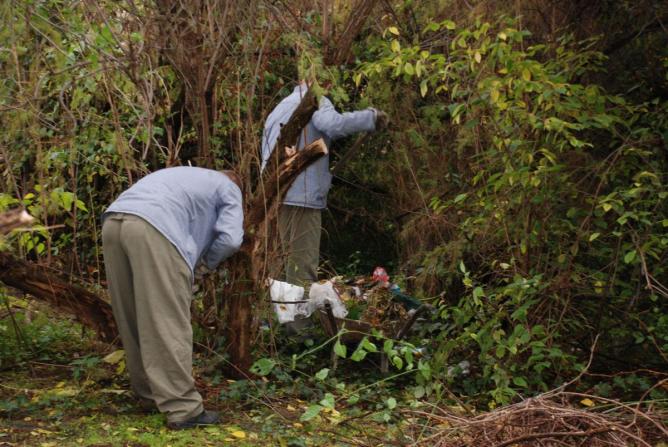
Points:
(67, 390)
(45, 406)
(59, 386)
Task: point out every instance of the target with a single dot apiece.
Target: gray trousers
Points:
(299, 231)
(150, 287)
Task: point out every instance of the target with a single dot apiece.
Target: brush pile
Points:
(556, 418)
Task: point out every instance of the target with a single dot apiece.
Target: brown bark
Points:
(87, 307)
(246, 266)
(12, 219)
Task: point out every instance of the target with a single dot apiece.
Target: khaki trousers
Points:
(150, 287)
(299, 231)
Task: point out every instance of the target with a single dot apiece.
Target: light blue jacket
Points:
(198, 210)
(310, 188)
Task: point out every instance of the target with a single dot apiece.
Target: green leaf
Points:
(328, 401)
(448, 24)
(520, 381)
(391, 403)
(358, 354)
(408, 69)
(263, 366)
(340, 349)
(322, 374)
(594, 236)
(630, 256)
(310, 413)
(368, 346)
(423, 88)
(460, 197)
(419, 392)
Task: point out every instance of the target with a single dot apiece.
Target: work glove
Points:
(382, 120)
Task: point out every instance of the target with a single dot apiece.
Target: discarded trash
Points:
(285, 298)
(380, 275)
(325, 293)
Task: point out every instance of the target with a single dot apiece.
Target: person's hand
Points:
(382, 120)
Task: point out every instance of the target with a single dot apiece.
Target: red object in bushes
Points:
(379, 274)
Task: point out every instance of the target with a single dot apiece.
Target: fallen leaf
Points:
(114, 357)
(587, 402)
(238, 434)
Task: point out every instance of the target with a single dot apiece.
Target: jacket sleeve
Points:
(228, 229)
(337, 125)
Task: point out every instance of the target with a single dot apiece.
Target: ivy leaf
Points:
(311, 412)
(328, 401)
(263, 366)
(340, 349)
(322, 374)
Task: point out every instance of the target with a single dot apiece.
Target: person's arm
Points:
(229, 228)
(337, 125)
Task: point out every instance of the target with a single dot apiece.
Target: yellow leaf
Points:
(587, 402)
(395, 46)
(393, 30)
(238, 434)
(114, 357)
(477, 57)
(494, 96)
(502, 35)
(298, 425)
(526, 74)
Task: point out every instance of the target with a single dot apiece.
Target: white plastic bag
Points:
(286, 293)
(325, 293)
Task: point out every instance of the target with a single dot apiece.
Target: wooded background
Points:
(520, 187)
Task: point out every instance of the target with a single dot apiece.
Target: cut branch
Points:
(273, 188)
(87, 307)
(290, 132)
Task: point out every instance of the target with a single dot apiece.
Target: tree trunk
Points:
(246, 267)
(57, 290)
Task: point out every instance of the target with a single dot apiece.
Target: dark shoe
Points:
(206, 417)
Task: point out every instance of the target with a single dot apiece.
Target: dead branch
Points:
(340, 51)
(57, 290)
